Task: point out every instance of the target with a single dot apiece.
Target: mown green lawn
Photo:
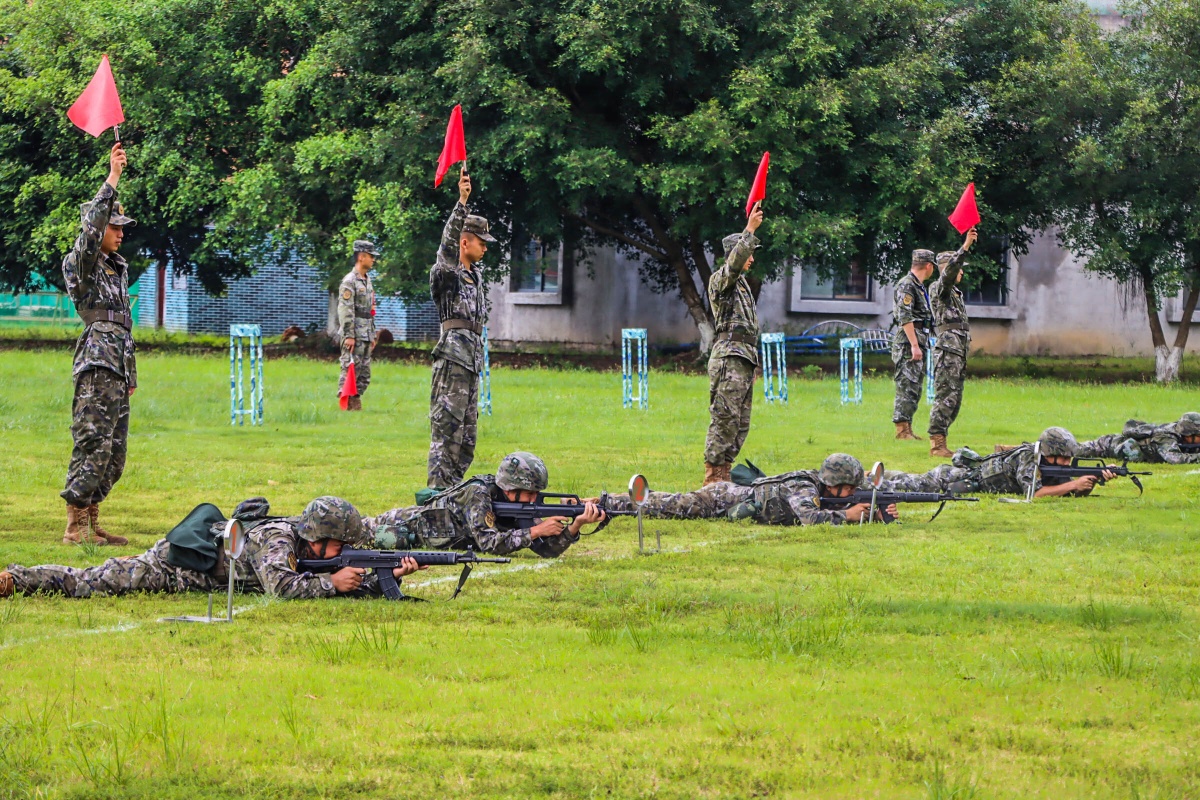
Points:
(1000, 651)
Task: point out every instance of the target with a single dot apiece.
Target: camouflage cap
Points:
(1189, 424)
(944, 258)
(118, 218)
(478, 226)
(365, 246)
(522, 472)
(840, 469)
(923, 257)
(331, 518)
(1058, 441)
(730, 242)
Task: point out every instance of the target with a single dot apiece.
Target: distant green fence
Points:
(46, 307)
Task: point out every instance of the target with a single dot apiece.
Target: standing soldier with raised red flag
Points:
(953, 331)
(735, 352)
(356, 322)
(456, 284)
(97, 280)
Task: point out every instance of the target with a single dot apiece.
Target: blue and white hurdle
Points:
(250, 337)
(930, 393)
(850, 358)
(633, 353)
(774, 368)
(485, 378)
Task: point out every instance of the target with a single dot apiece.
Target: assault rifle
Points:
(881, 500)
(1189, 448)
(1077, 470)
(384, 561)
(515, 515)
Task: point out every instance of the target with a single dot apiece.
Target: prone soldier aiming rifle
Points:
(1101, 472)
(382, 562)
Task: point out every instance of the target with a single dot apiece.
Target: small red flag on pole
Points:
(758, 191)
(966, 213)
(349, 388)
(455, 148)
(99, 107)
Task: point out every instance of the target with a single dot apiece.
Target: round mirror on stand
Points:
(639, 489)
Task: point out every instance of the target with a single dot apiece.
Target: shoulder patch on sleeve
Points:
(490, 519)
(908, 299)
(292, 561)
(347, 293)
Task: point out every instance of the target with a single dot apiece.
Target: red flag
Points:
(758, 191)
(966, 214)
(99, 107)
(455, 148)
(349, 388)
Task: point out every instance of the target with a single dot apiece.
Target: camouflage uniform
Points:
(356, 320)
(104, 369)
(1147, 443)
(793, 498)
(734, 355)
(458, 293)
(911, 304)
(460, 518)
(1010, 472)
(268, 564)
(953, 333)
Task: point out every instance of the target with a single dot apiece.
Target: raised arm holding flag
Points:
(99, 107)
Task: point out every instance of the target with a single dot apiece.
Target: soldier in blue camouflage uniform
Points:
(912, 317)
(1145, 442)
(105, 372)
(461, 518)
(953, 333)
(456, 284)
(267, 564)
(734, 354)
(793, 498)
(356, 321)
(1013, 471)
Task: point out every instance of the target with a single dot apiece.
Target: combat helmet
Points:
(1189, 424)
(1058, 441)
(840, 468)
(331, 518)
(522, 471)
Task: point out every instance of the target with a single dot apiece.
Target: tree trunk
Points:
(1168, 362)
(1164, 357)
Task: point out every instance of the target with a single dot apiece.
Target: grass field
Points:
(1000, 651)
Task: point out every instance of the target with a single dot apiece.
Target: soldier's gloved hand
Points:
(592, 513)
(347, 579)
(407, 567)
(551, 526)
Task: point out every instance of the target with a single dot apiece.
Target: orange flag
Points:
(349, 388)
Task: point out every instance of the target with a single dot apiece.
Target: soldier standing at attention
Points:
(456, 285)
(953, 333)
(97, 280)
(356, 320)
(734, 354)
(912, 317)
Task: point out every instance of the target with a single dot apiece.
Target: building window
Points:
(987, 283)
(853, 286)
(535, 266)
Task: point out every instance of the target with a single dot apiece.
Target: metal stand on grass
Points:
(774, 367)
(633, 348)
(639, 493)
(850, 358)
(234, 538)
(485, 378)
(930, 393)
(250, 337)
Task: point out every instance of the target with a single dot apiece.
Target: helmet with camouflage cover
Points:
(1189, 424)
(1058, 441)
(331, 518)
(839, 469)
(522, 471)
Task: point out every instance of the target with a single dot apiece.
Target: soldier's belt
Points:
(94, 315)
(953, 326)
(462, 324)
(735, 336)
